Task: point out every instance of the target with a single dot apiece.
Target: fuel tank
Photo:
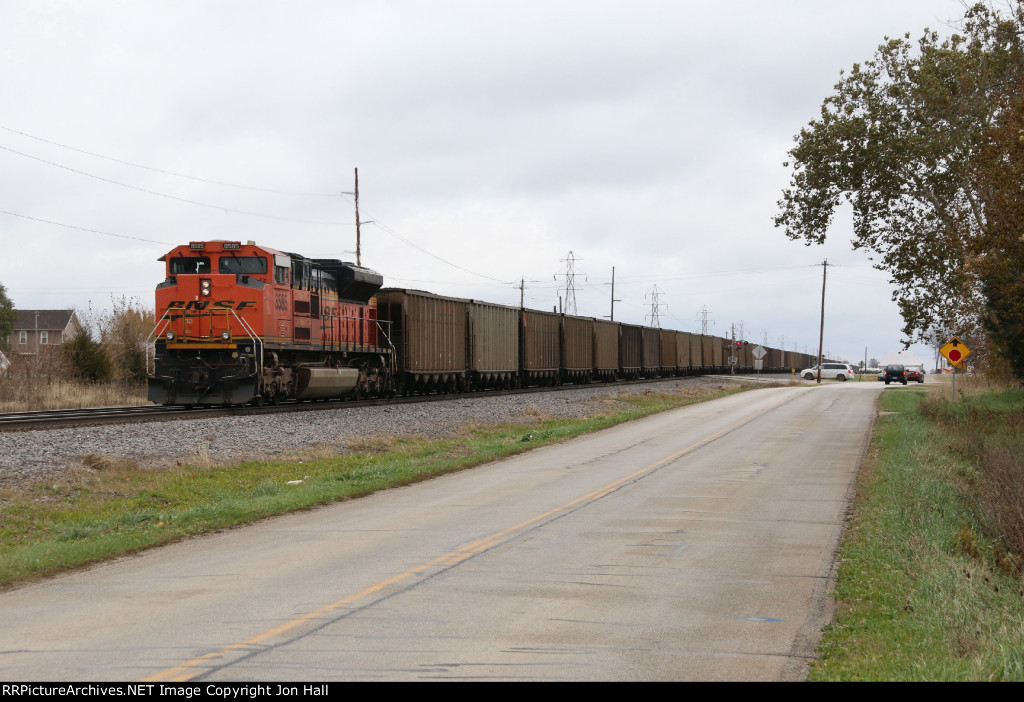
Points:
(317, 383)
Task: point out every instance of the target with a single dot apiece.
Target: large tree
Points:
(7, 318)
(923, 142)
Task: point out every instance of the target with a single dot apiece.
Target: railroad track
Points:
(51, 419)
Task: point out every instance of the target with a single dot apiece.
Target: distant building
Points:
(38, 331)
(902, 358)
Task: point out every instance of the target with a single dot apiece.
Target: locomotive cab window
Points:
(183, 265)
(246, 265)
(281, 275)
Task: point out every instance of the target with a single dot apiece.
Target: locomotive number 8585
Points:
(241, 323)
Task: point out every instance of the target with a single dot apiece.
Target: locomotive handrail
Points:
(329, 343)
(391, 344)
(152, 337)
(257, 345)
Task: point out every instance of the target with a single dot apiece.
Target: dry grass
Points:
(535, 413)
(19, 394)
(976, 384)
(101, 463)
(374, 443)
(985, 426)
(1002, 497)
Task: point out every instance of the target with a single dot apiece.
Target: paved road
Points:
(694, 545)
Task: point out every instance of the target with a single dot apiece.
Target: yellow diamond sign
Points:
(955, 352)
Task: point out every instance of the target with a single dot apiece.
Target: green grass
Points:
(926, 589)
(118, 508)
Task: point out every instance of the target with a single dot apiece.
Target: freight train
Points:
(240, 323)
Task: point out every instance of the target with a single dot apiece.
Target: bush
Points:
(88, 358)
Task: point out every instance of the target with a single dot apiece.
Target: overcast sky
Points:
(492, 139)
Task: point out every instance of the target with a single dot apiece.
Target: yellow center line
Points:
(185, 671)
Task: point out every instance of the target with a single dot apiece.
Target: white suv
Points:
(839, 371)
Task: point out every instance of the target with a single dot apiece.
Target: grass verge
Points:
(115, 507)
(927, 589)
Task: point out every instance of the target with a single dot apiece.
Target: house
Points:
(36, 331)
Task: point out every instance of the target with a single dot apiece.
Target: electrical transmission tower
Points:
(655, 315)
(702, 315)
(570, 283)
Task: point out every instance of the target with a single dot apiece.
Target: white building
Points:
(903, 358)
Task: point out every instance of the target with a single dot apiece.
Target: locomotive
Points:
(242, 323)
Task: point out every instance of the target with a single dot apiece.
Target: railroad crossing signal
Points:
(955, 352)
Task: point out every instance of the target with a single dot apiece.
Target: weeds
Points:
(986, 430)
(21, 392)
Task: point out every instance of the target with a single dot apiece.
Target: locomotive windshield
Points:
(242, 264)
(183, 265)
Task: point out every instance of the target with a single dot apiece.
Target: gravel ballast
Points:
(31, 456)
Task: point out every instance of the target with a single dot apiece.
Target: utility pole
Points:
(522, 291)
(821, 333)
(611, 316)
(355, 195)
(732, 350)
(359, 261)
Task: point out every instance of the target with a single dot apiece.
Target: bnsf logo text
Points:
(200, 305)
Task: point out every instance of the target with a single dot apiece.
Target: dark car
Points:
(915, 375)
(895, 373)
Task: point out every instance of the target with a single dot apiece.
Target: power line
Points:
(172, 197)
(392, 232)
(165, 172)
(203, 204)
(84, 229)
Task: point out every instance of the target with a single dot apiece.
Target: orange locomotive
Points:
(242, 323)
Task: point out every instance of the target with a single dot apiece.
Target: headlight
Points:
(204, 287)
(225, 335)
(170, 336)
